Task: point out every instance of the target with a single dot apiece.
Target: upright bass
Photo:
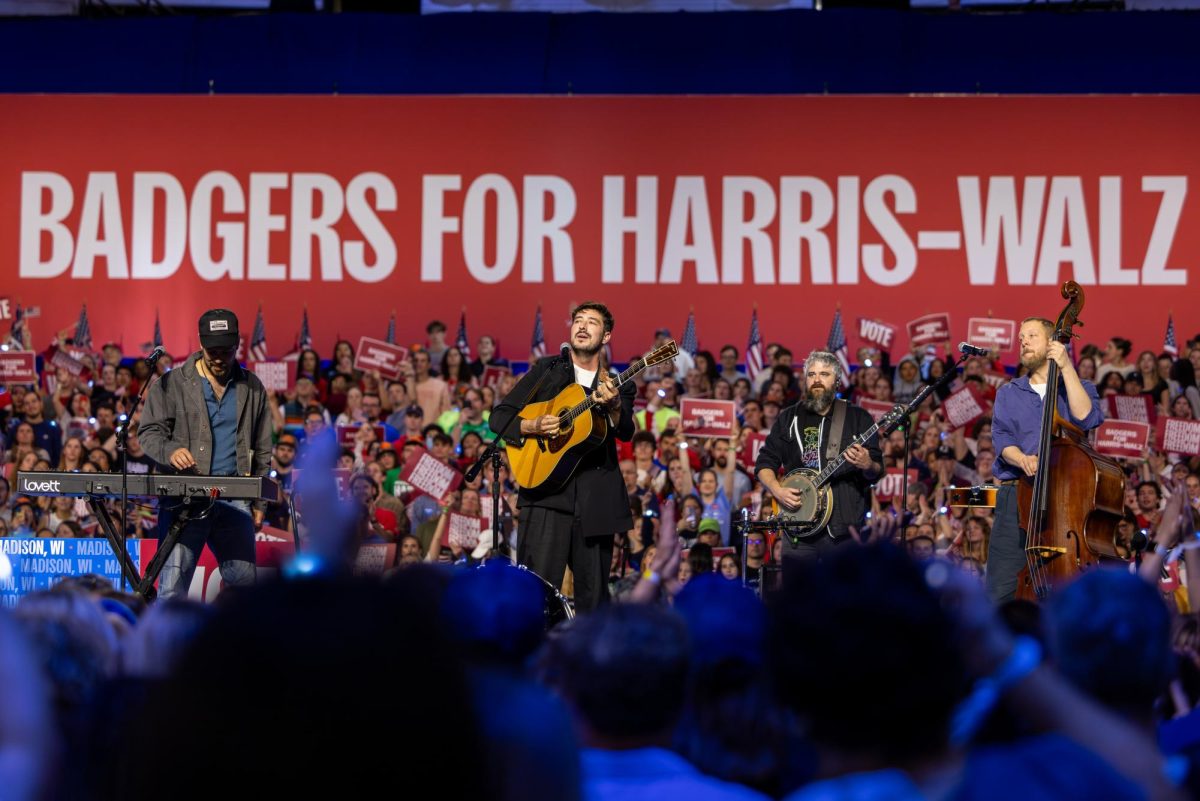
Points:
(1070, 508)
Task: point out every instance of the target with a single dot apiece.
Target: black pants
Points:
(1006, 548)
(551, 540)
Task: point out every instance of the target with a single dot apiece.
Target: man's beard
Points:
(586, 352)
(818, 403)
(1033, 363)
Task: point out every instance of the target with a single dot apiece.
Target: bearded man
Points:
(810, 434)
(1016, 436)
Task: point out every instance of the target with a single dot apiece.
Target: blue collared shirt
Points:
(1017, 420)
(222, 416)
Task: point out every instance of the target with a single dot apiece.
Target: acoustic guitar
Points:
(537, 461)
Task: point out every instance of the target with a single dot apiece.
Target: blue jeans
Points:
(1006, 548)
(228, 530)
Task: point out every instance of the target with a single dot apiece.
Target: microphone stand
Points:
(917, 400)
(123, 452)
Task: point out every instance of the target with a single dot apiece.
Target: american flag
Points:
(16, 336)
(1169, 344)
(837, 345)
(304, 341)
(689, 335)
(258, 339)
(157, 341)
(754, 350)
(83, 331)
(460, 340)
(537, 348)
(391, 334)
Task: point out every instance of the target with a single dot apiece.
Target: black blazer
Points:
(596, 491)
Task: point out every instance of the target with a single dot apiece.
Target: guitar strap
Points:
(837, 422)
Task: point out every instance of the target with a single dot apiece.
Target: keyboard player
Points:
(210, 417)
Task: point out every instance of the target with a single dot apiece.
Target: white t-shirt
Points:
(1040, 389)
(585, 377)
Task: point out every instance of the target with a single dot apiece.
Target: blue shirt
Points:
(222, 417)
(1017, 420)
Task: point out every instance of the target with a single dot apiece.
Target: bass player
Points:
(574, 523)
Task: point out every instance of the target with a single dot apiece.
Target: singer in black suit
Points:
(574, 523)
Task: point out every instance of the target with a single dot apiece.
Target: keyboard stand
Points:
(183, 516)
(117, 542)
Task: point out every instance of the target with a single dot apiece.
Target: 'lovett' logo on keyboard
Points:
(40, 486)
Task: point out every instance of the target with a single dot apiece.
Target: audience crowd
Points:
(882, 673)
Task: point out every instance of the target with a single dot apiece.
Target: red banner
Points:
(275, 376)
(463, 531)
(1177, 435)
(707, 418)
(929, 329)
(1131, 407)
(18, 367)
(999, 335)
(492, 375)
(1128, 439)
(877, 333)
(963, 407)
(619, 198)
(346, 435)
(876, 408)
(751, 446)
(376, 354)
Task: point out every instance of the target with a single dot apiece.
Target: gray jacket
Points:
(175, 416)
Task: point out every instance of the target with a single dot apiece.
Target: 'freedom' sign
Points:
(1178, 435)
(963, 407)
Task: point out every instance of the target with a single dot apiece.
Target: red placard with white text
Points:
(492, 375)
(171, 207)
(876, 332)
(18, 367)
(463, 531)
(876, 408)
(376, 354)
(750, 448)
(1127, 439)
(275, 376)
(929, 329)
(998, 335)
(429, 476)
(963, 407)
(891, 483)
(1131, 407)
(1177, 435)
(707, 418)
(347, 435)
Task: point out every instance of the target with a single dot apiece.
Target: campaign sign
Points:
(1178, 435)
(891, 483)
(39, 564)
(963, 407)
(996, 380)
(18, 367)
(426, 474)
(492, 375)
(1131, 407)
(984, 332)
(750, 448)
(374, 558)
(346, 434)
(707, 418)
(877, 333)
(876, 408)
(463, 531)
(1123, 438)
(275, 376)
(60, 358)
(930, 328)
(375, 354)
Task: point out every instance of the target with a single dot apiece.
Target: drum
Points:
(983, 496)
(556, 607)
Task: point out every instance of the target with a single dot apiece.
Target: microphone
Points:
(971, 350)
(564, 353)
(155, 355)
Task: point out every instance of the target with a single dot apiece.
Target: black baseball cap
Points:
(219, 329)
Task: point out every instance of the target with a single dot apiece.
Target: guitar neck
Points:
(633, 369)
(832, 467)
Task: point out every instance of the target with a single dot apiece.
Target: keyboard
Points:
(230, 488)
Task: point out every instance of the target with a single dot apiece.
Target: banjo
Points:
(816, 495)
